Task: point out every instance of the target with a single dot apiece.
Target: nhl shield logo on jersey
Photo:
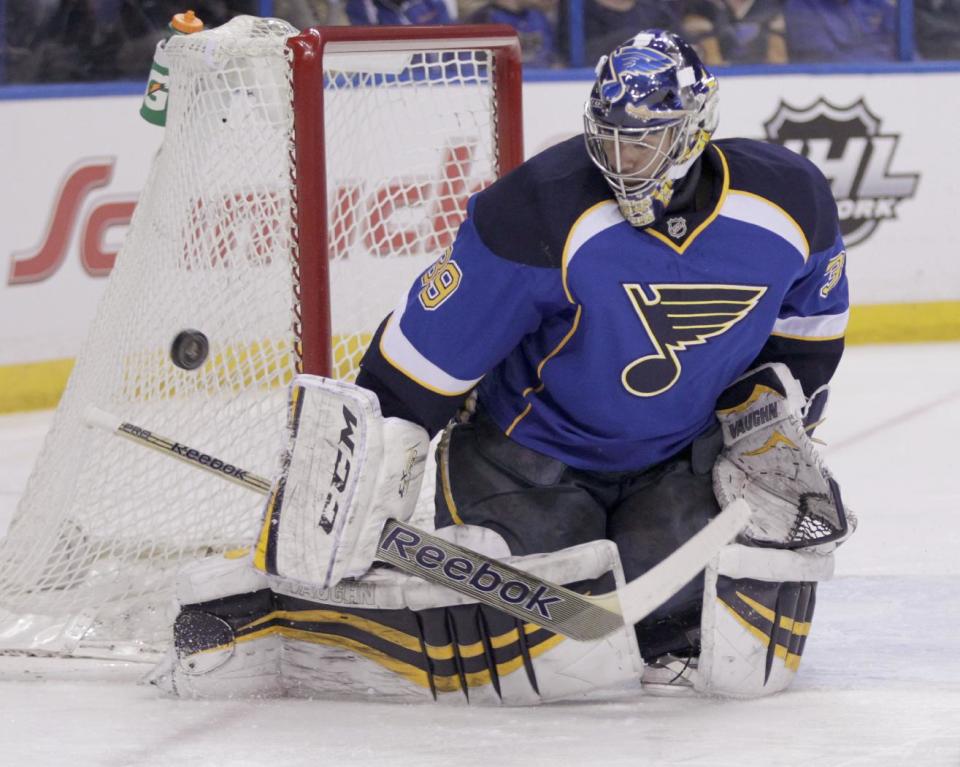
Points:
(677, 227)
(847, 145)
(676, 317)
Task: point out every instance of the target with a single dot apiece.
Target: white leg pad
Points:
(757, 610)
(358, 639)
(215, 577)
(229, 668)
(564, 669)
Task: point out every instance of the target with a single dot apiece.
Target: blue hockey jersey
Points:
(607, 346)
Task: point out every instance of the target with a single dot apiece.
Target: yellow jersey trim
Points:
(563, 341)
(539, 387)
(809, 338)
(519, 418)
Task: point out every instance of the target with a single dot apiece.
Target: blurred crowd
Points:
(102, 40)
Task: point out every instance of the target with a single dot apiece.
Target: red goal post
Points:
(309, 49)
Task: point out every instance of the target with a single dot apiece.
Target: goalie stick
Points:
(499, 585)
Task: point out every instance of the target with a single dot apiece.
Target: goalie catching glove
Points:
(769, 460)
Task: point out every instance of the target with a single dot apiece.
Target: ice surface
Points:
(879, 685)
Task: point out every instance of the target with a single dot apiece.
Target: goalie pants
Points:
(539, 504)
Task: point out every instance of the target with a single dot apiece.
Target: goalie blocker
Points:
(347, 470)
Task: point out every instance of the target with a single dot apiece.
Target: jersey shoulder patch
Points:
(526, 216)
(789, 181)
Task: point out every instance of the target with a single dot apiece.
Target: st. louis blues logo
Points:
(679, 316)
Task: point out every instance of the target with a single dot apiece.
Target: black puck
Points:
(189, 349)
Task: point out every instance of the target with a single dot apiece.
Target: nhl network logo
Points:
(848, 147)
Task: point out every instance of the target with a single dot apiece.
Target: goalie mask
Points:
(650, 114)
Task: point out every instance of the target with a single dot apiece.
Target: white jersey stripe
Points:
(823, 327)
(403, 355)
(756, 210)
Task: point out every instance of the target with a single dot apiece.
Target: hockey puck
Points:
(189, 349)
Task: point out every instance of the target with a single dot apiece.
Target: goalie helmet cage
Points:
(303, 183)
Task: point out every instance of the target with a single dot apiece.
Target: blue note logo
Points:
(676, 317)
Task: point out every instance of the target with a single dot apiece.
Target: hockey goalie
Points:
(632, 330)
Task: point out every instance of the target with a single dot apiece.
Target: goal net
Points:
(303, 183)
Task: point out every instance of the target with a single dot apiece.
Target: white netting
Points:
(89, 559)
(395, 203)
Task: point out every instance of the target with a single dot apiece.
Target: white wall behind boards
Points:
(71, 169)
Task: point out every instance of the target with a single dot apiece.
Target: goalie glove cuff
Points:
(769, 460)
(766, 394)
